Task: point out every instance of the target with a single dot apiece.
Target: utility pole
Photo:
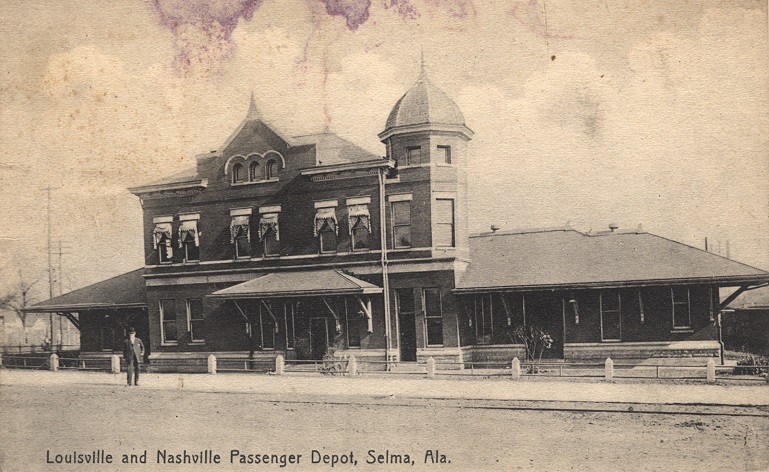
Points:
(60, 279)
(50, 265)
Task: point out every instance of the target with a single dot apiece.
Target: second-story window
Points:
(401, 218)
(240, 234)
(326, 229)
(161, 239)
(269, 234)
(189, 237)
(444, 223)
(360, 226)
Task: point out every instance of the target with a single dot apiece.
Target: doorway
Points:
(318, 337)
(404, 299)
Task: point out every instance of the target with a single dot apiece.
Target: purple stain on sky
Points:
(457, 8)
(355, 12)
(404, 8)
(203, 28)
(534, 17)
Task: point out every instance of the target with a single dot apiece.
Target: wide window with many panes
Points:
(401, 218)
(195, 319)
(431, 298)
(444, 223)
(168, 332)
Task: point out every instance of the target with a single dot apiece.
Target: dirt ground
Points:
(41, 422)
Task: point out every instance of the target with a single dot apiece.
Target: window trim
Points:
(163, 341)
(193, 340)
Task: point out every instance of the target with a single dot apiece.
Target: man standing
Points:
(133, 354)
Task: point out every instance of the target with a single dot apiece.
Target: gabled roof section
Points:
(123, 291)
(299, 284)
(253, 134)
(331, 149)
(557, 259)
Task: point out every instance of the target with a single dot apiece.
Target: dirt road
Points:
(87, 422)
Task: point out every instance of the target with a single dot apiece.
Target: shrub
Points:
(752, 365)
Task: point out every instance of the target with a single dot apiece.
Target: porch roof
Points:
(566, 258)
(299, 284)
(123, 291)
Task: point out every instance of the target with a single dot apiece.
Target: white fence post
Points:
(711, 371)
(54, 362)
(431, 368)
(211, 364)
(516, 369)
(352, 365)
(114, 366)
(280, 364)
(609, 369)
(1, 359)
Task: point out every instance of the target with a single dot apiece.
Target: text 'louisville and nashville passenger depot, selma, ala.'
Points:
(208, 456)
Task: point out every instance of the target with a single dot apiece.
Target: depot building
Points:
(306, 246)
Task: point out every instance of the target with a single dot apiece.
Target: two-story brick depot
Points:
(306, 245)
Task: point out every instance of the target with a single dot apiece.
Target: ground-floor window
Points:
(353, 322)
(288, 313)
(195, 319)
(168, 332)
(611, 315)
(681, 307)
(431, 298)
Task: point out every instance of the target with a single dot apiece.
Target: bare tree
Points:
(16, 300)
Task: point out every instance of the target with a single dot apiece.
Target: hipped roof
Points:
(123, 291)
(565, 258)
(299, 284)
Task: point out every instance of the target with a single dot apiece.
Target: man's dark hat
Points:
(131, 329)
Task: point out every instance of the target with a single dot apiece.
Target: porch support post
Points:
(269, 311)
(333, 313)
(366, 307)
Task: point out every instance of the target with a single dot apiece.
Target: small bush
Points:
(752, 365)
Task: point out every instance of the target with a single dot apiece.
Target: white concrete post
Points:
(352, 365)
(711, 371)
(431, 368)
(516, 369)
(280, 364)
(54, 362)
(211, 364)
(114, 365)
(1, 360)
(609, 369)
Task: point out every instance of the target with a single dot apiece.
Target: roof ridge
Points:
(708, 252)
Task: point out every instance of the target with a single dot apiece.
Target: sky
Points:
(586, 113)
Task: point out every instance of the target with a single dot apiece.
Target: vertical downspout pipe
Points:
(383, 260)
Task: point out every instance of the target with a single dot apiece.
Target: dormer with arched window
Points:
(255, 168)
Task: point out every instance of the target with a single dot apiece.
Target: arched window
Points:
(237, 173)
(253, 171)
(270, 170)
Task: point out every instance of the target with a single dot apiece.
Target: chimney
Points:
(613, 227)
(494, 228)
